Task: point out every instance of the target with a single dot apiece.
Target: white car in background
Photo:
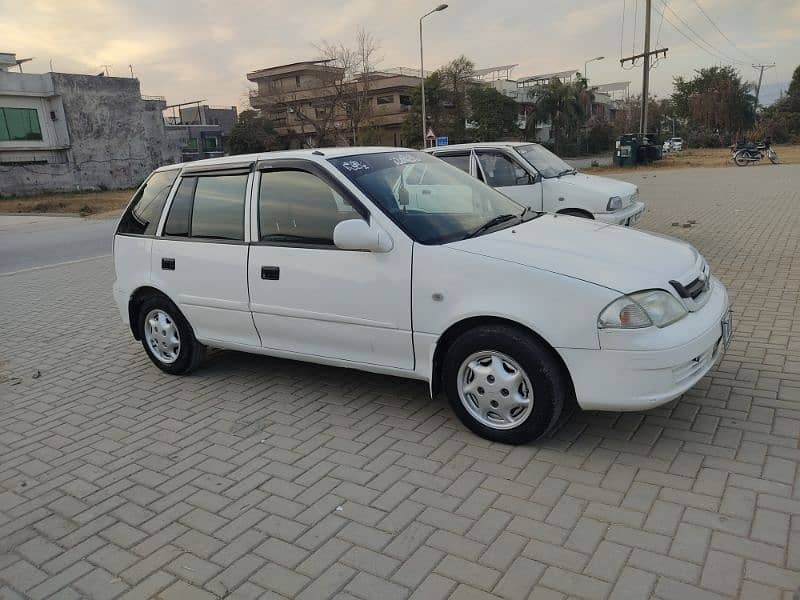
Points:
(674, 144)
(534, 176)
(331, 256)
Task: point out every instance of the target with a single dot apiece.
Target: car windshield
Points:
(544, 161)
(435, 203)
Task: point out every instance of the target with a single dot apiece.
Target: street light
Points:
(586, 64)
(422, 71)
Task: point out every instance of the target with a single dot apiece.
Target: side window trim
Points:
(303, 166)
(479, 174)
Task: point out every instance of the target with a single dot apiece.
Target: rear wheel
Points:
(167, 337)
(740, 158)
(504, 384)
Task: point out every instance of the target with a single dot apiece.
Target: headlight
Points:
(614, 203)
(642, 309)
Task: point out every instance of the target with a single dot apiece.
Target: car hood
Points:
(620, 258)
(606, 187)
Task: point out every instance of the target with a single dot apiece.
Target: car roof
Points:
(478, 145)
(308, 153)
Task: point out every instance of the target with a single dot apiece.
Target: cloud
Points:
(189, 49)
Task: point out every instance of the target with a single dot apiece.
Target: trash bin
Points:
(626, 151)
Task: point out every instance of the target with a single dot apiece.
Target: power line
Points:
(714, 52)
(622, 37)
(730, 41)
(658, 38)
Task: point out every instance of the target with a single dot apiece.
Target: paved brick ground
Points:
(268, 478)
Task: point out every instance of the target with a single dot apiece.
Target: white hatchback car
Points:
(535, 177)
(331, 256)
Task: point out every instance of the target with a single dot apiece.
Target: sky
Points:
(202, 49)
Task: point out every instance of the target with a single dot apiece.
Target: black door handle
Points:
(168, 264)
(272, 273)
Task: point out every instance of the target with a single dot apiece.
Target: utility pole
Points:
(761, 69)
(646, 67)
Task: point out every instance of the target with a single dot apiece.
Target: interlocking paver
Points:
(259, 477)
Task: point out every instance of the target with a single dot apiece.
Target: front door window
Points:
(500, 170)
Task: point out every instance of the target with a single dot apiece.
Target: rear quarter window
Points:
(144, 211)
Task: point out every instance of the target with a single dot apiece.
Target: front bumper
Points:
(629, 215)
(627, 380)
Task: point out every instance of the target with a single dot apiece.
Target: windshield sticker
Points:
(405, 158)
(355, 166)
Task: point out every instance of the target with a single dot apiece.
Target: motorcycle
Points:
(746, 153)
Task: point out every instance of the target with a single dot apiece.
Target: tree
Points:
(252, 133)
(446, 103)
(494, 114)
(715, 101)
(456, 77)
(564, 106)
(781, 121)
(335, 117)
(659, 113)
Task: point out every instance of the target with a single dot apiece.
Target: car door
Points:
(309, 297)
(199, 259)
(505, 173)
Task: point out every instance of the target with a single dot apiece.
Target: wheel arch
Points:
(576, 212)
(456, 329)
(137, 297)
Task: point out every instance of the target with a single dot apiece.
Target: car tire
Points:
(167, 337)
(489, 371)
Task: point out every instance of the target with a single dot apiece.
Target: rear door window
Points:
(144, 211)
(460, 161)
(208, 207)
(218, 210)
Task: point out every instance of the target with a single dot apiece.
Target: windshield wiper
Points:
(491, 223)
(567, 172)
(534, 214)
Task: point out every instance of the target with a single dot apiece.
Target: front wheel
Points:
(740, 158)
(504, 384)
(773, 157)
(168, 338)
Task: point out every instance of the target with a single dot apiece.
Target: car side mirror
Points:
(357, 234)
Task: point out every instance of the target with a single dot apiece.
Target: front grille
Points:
(693, 289)
(695, 293)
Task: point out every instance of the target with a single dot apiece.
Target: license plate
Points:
(727, 329)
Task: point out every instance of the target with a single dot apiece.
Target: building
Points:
(305, 99)
(203, 114)
(69, 132)
(202, 129)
